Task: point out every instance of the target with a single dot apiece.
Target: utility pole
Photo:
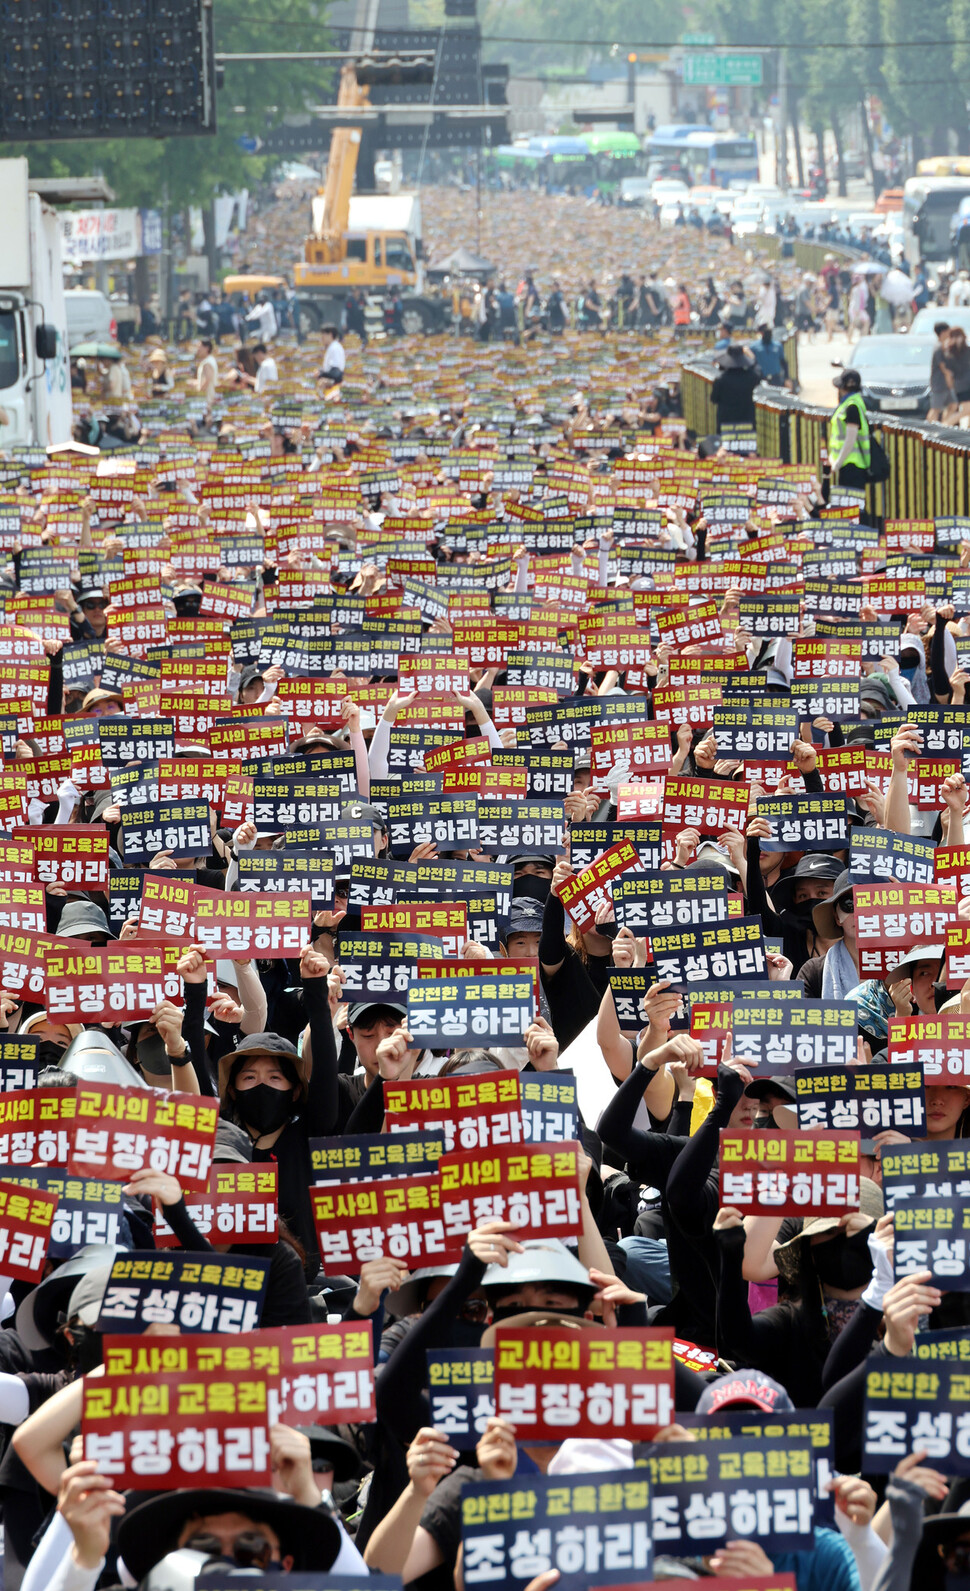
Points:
(781, 142)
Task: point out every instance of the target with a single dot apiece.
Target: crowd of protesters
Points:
(661, 731)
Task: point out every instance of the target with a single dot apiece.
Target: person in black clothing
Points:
(732, 393)
(575, 970)
(685, 1171)
(283, 1100)
(829, 1267)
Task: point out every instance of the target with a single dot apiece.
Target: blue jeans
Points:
(648, 1268)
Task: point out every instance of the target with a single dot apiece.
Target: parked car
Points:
(895, 372)
(90, 317)
(635, 191)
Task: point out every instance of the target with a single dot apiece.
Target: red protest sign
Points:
(178, 1428)
(434, 675)
(470, 1111)
(25, 1230)
(687, 704)
(123, 981)
(22, 908)
(707, 805)
(167, 907)
(957, 953)
(397, 1217)
(553, 1382)
(535, 1186)
(890, 918)
(239, 1205)
(313, 1374)
(639, 801)
(938, 1044)
(120, 1130)
(449, 923)
(581, 893)
(685, 626)
(811, 1173)
(952, 863)
(75, 854)
(637, 747)
(252, 923)
(925, 778)
(17, 861)
(35, 1126)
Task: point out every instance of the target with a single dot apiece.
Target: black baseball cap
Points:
(525, 916)
(357, 1012)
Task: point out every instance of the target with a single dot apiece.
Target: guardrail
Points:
(929, 463)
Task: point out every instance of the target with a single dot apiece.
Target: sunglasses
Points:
(846, 903)
(98, 606)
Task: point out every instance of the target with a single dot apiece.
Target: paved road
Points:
(815, 360)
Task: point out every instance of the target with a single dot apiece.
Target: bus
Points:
(929, 205)
(944, 166)
(702, 157)
(565, 164)
(615, 155)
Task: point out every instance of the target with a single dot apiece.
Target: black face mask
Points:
(151, 1055)
(801, 915)
(49, 1053)
(532, 884)
(86, 1350)
(466, 1333)
(844, 1262)
(265, 1108)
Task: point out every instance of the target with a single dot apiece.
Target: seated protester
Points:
(832, 972)
(793, 897)
(574, 967)
(287, 1302)
(908, 989)
(530, 1283)
(685, 1171)
(283, 1099)
(209, 1529)
(828, 1267)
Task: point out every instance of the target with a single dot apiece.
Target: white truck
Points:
(35, 376)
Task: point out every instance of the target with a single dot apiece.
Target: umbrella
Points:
(897, 288)
(95, 350)
(867, 268)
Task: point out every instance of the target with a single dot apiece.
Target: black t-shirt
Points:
(733, 396)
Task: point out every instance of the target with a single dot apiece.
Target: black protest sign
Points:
(180, 828)
(208, 1293)
(805, 822)
(934, 1235)
(779, 1035)
(461, 1391)
(862, 1099)
(883, 854)
(449, 821)
(939, 1170)
(365, 1156)
(581, 1525)
(911, 1404)
(651, 901)
(289, 871)
(382, 966)
(755, 1488)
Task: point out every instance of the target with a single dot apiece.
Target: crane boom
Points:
(331, 211)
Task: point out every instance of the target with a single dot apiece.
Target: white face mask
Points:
(843, 917)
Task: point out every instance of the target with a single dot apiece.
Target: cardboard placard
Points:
(789, 1173)
(117, 1131)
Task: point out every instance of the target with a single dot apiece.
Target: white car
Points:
(90, 317)
(746, 217)
(664, 189)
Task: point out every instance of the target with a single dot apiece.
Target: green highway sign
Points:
(705, 40)
(728, 71)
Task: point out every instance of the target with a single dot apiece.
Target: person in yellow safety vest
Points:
(849, 440)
